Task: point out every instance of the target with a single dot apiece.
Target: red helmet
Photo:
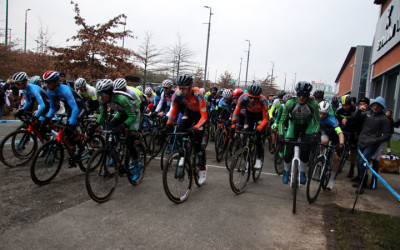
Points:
(50, 75)
(237, 92)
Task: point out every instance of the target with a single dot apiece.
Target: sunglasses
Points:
(103, 94)
(302, 95)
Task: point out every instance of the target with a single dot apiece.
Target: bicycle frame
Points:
(296, 158)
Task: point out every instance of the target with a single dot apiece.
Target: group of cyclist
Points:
(306, 117)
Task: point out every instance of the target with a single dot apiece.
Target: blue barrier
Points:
(379, 177)
(9, 121)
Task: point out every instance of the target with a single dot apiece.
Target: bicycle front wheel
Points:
(177, 180)
(102, 175)
(295, 185)
(47, 162)
(167, 150)
(90, 146)
(239, 172)
(18, 148)
(315, 179)
(233, 146)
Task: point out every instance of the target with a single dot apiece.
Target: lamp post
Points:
(248, 57)
(284, 85)
(272, 76)
(123, 38)
(208, 42)
(26, 24)
(240, 71)
(6, 36)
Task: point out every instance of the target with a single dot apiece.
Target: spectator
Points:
(375, 130)
(389, 115)
(63, 78)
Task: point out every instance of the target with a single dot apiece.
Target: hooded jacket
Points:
(375, 130)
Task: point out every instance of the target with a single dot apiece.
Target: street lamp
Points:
(240, 71)
(208, 42)
(26, 24)
(6, 36)
(272, 76)
(248, 57)
(284, 85)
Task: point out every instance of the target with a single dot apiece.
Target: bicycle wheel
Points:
(47, 162)
(142, 156)
(315, 179)
(18, 148)
(271, 146)
(233, 146)
(220, 145)
(177, 180)
(278, 159)
(102, 175)
(90, 145)
(147, 142)
(196, 166)
(343, 159)
(239, 172)
(156, 143)
(256, 173)
(167, 150)
(295, 185)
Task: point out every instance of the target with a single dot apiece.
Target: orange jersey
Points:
(259, 105)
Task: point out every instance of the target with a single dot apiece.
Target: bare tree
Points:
(179, 56)
(268, 85)
(225, 81)
(43, 39)
(148, 54)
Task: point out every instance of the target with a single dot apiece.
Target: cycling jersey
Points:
(213, 101)
(279, 114)
(90, 96)
(329, 125)
(165, 101)
(226, 109)
(135, 94)
(274, 106)
(259, 105)
(349, 115)
(36, 92)
(194, 101)
(73, 102)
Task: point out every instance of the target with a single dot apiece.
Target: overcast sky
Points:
(308, 37)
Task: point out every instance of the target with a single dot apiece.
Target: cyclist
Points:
(195, 112)
(149, 98)
(256, 106)
(164, 105)
(335, 104)
(285, 98)
(126, 121)
(301, 115)
(88, 93)
(31, 91)
(120, 84)
(319, 97)
(347, 122)
(235, 96)
(330, 131)
(226, 106)
(36, 80)
(275, 105)
(213, 99)
(74, 105)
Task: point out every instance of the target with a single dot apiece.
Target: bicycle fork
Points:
(294, 167)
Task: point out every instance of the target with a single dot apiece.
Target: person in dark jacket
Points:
(375, 130)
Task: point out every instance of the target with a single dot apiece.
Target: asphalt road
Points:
(61, 215)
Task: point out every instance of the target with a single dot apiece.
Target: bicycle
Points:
(242, 165)
(223, 137)
(278, 156)
(181, 169)
(170, 145)
(108, 163)
(234, 145)
(345, 152)
(320, 173)
(294, 173)
(49, 158)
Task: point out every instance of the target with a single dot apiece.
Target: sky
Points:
(305, 39)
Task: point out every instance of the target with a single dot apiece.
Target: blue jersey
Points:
(329, 125)
(225, 107)
(72, 102)
(37, 93)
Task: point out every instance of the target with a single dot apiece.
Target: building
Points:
(352, 77)
(384, 72)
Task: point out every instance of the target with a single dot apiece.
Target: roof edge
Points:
(348, 57)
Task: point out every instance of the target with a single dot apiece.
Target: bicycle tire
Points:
(233, 146)
(102, 168)
(271, 146)
(295, 186)
(142, 155)
(278, 159)
(220, 145)
(166, 151)
(240, 169)
(196, 168)
(157, 142)
(11, 149)
(49, 153)
(90, 146)
(146, 140)
(315, 179)
(176, 177)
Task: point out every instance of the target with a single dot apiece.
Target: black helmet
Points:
(335, 102)
(214, 87)
(184, 80)
(158, 90)
(254, 89)
(303, 87)
(281, 94)
(319, 94)
(346, 99)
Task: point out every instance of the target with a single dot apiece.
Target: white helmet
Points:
(148, 91)
(19, 77)
(80, 83)
(324, 107)
(203, 90)
(227, 94)
(119, 83)
(104, 85)
(167, 83)
(140, 88)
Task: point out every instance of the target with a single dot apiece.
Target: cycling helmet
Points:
(254, 89)
(318, 94)
(346, 99)
(80, 83)
(167, 83)
(158, 91)
(214, 87)
(324, 107)
(148, 91)
(35, 80)
(50, 76)
(287, 97)
(139, 88)
(104, 85)
(303, 87)
(184, 80)
(237, 92)
(281, 94)
(119, 83)
(227, 94)
(335, 102)
(203, 90)
(19, 77)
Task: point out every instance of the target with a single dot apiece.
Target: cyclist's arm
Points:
(316, 120)
(236, 113)
(103, 114)
(73, 119)
(278, 117)
(53, 104)
(161, 102)
(173, 111)
(203, 112)
(128, 109)
(28, 100)
(285, 115)
(39, 100)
